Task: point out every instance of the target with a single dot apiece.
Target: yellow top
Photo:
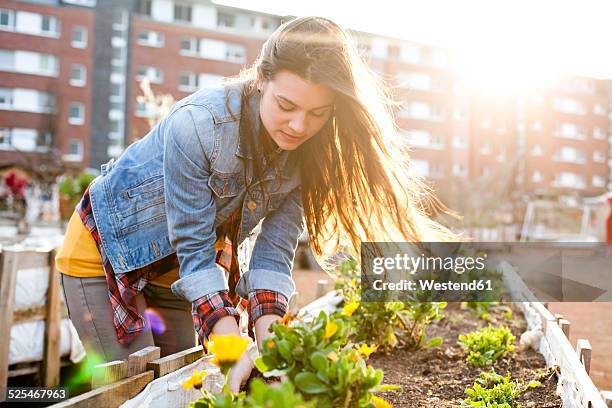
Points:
(79, 257)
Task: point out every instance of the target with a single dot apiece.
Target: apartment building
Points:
(554, 139)
(45, 81)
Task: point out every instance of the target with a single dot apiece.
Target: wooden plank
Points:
(175, 361)
(53, 320)
(111, 395)
(137, 362)
(565, 324)
(572, 367)
(8, 274)
(321, 285)
(584, 352)
(35, 313)
(108, 373)
(32, 258)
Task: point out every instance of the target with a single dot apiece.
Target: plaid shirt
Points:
(207, 310)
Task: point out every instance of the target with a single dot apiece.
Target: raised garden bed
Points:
(438, 377)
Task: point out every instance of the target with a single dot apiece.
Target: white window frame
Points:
(177, 5)
(8, 92)
(191, 51)
(5, 140)
(11, 18)
(80, 82)
(230, 50)
(76, 43)
(193, 80)
(71, 156)
(80, 120)
(154, 74)
(54, 26)
(151, 34)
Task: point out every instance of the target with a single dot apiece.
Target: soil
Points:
(438, 377)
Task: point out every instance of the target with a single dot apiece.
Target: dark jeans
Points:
(89, 308)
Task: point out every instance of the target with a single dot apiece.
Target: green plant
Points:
(387, 324)
(318, 359)
(492, 390)
(261, 395)
(487, 345)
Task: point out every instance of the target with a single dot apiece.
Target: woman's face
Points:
(293, 110)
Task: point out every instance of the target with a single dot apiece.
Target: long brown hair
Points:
(357, 184)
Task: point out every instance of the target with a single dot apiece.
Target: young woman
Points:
(302, 139)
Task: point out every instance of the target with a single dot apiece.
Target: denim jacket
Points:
(170, 190)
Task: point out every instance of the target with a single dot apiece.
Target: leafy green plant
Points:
(487, 345)
(261, 395)
(317, 358)
(492, 390)
(387, 324)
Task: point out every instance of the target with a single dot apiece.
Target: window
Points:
(75, 150)
(209, 80)
(598, 181)
(144, 110)
(537, 177)
(599, 134)
(154, 75)
(570, 155)
(6, 98)
(571, 131)
(459, 142)
(115, 126)
(459, 170)
(599, 109)
(485, 148)
(5, 137)
(188, 82)
(144, 7)
(569, 105)
(570, 180)
(151, 38)
(599, 157)
(414, 80)
(76, 113)
(24, 139)
(7, 60)
(78, 75)
(79, 37)
(537, 150)
(226, 19)
(46, 101)
(537, 126)
(50, 25)
(115, 90)
(47, 64)
(189, 45)
(7, 19)
(235, 53)
(182, 12)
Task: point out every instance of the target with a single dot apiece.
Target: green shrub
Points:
(492, 390)
(316, 357)
(386, 324)
(487, 345)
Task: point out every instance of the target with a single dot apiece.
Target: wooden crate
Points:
(13, 259)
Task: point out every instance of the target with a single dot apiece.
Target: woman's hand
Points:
(240, 373)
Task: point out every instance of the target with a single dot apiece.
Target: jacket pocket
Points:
(147, 196)
(225, 185)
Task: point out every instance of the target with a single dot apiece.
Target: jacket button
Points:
(252, 205)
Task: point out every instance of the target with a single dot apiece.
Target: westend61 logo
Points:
(412, 264)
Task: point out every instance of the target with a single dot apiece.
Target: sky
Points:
(518, 38)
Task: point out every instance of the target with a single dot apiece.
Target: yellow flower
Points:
(195, 381)
(287, 318)
(355, 357)
(227, 349)
(270, 344)
(381, 403)
(330, 329)
(349, 308)
(332, 356)
(366, 350)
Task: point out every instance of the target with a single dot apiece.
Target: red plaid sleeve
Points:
(207, 310)
(265, 302)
